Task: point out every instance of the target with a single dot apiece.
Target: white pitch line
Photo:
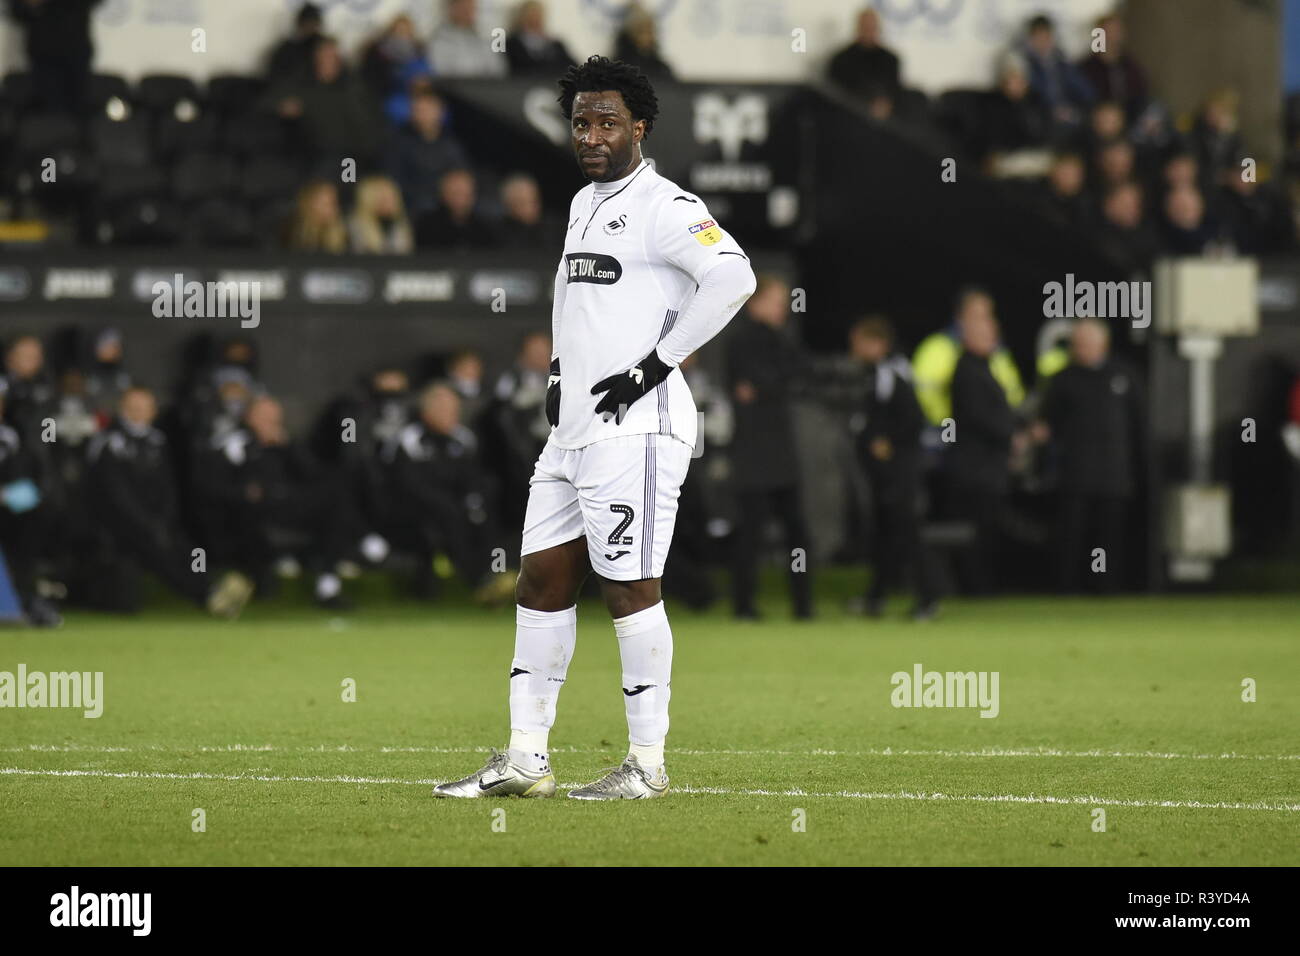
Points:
(815, 752)
(200, 775)
(693, 791)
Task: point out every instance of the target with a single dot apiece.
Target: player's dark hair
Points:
(600, 73)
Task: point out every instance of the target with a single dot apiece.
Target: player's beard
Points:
(615, 166)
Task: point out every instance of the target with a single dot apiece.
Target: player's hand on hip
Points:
(553, 394)
(623, 389)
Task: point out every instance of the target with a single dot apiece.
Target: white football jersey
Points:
(633, 258)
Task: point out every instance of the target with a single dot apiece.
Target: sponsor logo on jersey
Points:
(706, 232)
(593, 267)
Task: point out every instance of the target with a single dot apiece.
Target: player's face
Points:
(606, 140)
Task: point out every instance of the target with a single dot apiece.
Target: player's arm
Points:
(689, 239)
(553, 380)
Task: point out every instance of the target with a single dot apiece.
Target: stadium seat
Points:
(76, 175)
(223, 223)
(199, 176)
(19, 89)
(41, 134)
(173, 136)
(160, 92)
(8, 129)
(119, 183)
(228, 93)
(145, 222)
(256, 134)
(124, 141)
(269, 178)
(271, 219)
(103, 87)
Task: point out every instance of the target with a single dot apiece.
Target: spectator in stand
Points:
(1214, 139)
(465, 375)
(1011, 117)
(1186, 229)
(1112, 73)
(1113, 163)
(1180, 171)
(443, 498)
(638, 44)
(422, 152)
(30, 391)
(59, 48)
(456, 223)
(107, 377)
(1124, 234)
(74, 417)
(135, 506)
(265, 499)
(291, 59)
(378, 224)
(317, 223)
(865, 68)
(1064, 196)
(525, 226)
(514, 428)
(25, 517)
(1106, 123)
(390, 62)
(1062, 89)
(328, 108)
(1093, 413)
(1255, 215)
(530, 50)
(457, 49)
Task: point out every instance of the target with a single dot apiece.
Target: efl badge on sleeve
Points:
(706, 232)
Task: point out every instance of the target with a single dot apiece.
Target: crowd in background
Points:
(423, 471)
(256, 160)
(1093, 147)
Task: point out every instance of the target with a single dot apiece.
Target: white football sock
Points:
(645, 645)
(544, 642)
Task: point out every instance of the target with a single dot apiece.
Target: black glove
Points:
(626, 387)
(553, 394)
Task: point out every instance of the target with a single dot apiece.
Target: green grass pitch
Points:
(1132, 705)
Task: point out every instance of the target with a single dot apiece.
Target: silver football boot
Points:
(631, 781)
(501, 778)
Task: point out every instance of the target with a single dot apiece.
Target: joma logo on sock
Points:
(84, 690)
(103, 909)
(946, 689)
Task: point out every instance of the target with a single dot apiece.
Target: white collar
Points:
(603, 190)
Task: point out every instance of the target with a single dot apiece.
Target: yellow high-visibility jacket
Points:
(933, 365)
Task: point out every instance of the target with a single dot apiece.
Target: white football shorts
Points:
(620, 492)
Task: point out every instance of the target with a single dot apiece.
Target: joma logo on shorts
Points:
(593, 267)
